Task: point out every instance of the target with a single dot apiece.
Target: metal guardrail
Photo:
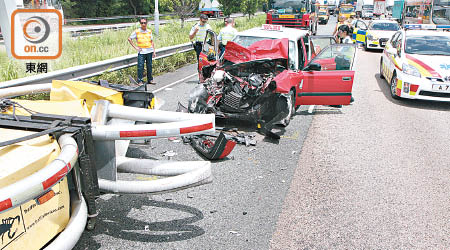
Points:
(93, 69)
(88, 19)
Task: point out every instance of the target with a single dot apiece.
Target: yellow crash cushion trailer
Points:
(35, 223)
(31, 225)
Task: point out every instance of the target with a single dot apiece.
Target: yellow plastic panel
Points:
(70, 108)
(73, 90)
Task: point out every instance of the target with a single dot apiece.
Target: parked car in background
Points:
(375, 34)
(416, 63)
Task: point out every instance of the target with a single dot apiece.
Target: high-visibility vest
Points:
(227, 35)
(144, 40)
(201, 33)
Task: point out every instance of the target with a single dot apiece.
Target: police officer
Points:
(226, 34)
(198, 33)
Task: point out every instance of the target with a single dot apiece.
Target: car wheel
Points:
(291, 104)
(394, 87)
(381, 68)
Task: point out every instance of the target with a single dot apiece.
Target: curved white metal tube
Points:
(201, 125)
(152, 115)
(72, 233)
(34, 185)
(156, 167)
(24, 90)
(190, 176)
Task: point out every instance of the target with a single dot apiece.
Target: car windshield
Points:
(384, 26)
(246, 41)
(288, 6)
(323, 13)
(346, 10)
(428, 45)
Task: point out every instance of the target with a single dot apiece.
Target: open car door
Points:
(328, 78)
(318, 43)
(359, 32)
(210, 51)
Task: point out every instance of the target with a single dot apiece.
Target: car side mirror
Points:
(313, 67)
(392, 51)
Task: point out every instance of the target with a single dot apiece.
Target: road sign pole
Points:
(156, 18)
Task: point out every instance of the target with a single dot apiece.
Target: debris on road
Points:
(174, 139)
(212, 147)
(169, 153)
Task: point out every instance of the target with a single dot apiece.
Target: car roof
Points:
(383, 21)
(427, 33)
(290, 33)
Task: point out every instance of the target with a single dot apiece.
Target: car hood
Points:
(382, 33)
(265, 49)
(430, 66)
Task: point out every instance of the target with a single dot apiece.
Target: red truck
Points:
(293, 14)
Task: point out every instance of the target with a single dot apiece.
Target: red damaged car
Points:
(266, 78)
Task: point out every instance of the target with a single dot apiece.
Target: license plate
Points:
(383, 43)
(287, 16)
(441, 87)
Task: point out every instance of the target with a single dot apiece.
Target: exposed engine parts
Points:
(243, 91)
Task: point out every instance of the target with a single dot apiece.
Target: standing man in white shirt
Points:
(146, 50)
(226, 34)
(198, 33)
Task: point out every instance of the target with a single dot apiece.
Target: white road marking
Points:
(174, 83)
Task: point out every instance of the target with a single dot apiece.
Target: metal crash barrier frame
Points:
(114, 125)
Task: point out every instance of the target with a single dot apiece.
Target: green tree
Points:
(250, 6)
(68, 8)
(230, 6)
(185, 8)
(166, 6)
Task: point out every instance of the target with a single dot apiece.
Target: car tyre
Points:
(381, 68)
(292, 110)
(394, 87)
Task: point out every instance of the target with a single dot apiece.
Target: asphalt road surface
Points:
(372, 175)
